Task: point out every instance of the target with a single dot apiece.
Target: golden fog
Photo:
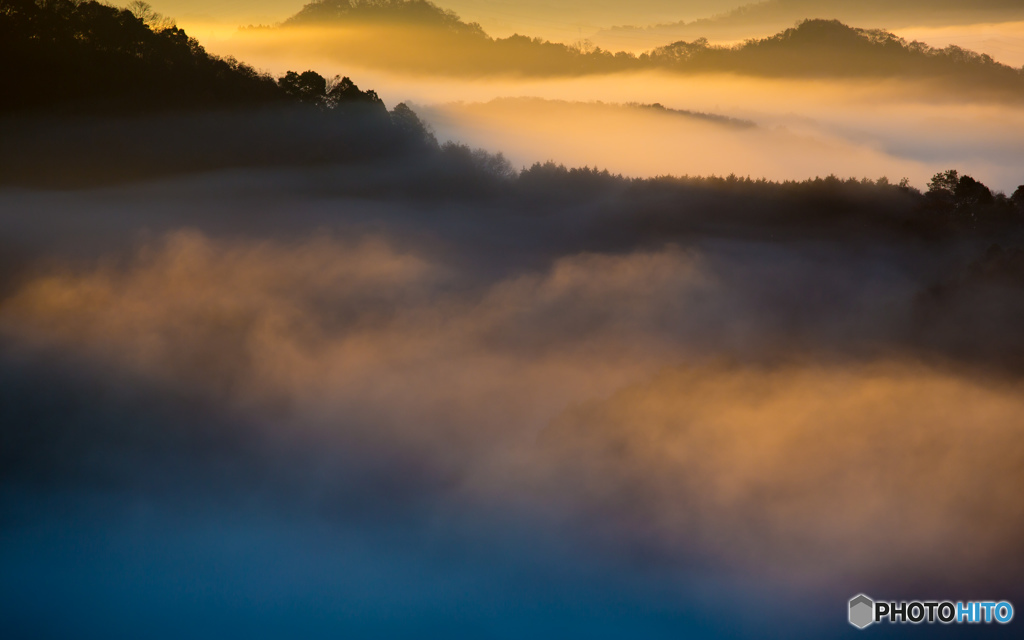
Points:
(801, 127)
(564, 391)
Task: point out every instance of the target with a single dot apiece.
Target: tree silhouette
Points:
(309, 86)
(944, 183)
(148, 16)
(970, 193)
(344, 90)
(409, 125)
(1018, 195)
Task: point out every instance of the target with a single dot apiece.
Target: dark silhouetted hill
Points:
(100, 94)
(85, 55)
(89, 54)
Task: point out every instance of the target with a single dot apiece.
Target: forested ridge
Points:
(87, 55)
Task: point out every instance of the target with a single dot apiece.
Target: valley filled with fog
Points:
(319, 342)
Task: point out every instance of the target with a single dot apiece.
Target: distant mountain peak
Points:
(420, 13)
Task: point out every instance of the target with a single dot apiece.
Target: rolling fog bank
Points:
(293, 391)
(485, 381)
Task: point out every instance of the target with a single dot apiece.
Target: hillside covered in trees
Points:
(88, 55)
(82, 67)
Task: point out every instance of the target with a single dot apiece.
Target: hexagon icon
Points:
(862, 611)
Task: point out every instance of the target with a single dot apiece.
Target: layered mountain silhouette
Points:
(569, 20)
(760, 18)
(419, 36)
(831, 48)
